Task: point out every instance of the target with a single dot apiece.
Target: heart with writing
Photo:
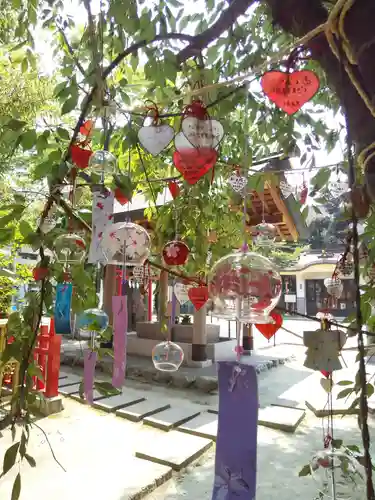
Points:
(198, 296)
(155, 138)
(194, 163)
(182, 292)
(202, 133)
(290, 91)
(268, 330)
(286, 189)
(237, 182)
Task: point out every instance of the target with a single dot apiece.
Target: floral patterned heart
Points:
(175, 253)
(290, 91)
(194, 163)
(198, 296)
(237, 182)
(155, 138)
(268, 330)
(204, 133)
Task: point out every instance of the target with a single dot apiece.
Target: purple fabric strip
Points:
(236, 447)
(90, 358)
(120, 322)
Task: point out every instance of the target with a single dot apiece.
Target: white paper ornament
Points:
(181, 292)
(155, 138)
(323, 349)
(286, 189)
(202, 133)
(237, 182)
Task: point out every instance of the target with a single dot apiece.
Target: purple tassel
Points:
(120, 322)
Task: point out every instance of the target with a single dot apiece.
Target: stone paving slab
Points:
(113, 403)
(137, 412)
(174, 449)
(69, 380)
(170, 418)
(204, 425)
(96, 396)
(281, 418)
(70, 389)
(288, 403)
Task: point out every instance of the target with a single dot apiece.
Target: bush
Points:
(6, 292)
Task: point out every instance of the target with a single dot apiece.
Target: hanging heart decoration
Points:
(268, 330)
(198, 296)
(303, 194)
(290, 91)
(174, 189)
(325, 373)
(80, 156)
(86, 128)
(155, 138)
(182, 292)
(285, 189)
(199, 129)
(120, 197)
(237, 182)
(175, 253)
(40, 273)
(194, 163)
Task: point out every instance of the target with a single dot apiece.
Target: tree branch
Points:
(71, 51)
(227, 18)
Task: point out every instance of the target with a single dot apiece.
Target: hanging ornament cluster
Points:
(245, 286)
(126, 243)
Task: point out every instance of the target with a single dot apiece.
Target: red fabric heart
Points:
(198, 296)
(174, 189)
(40, 273)
(325, 373)
(80, 156)
(120, 197)
(268, 330)
(86, 128)
(194, 163)
(290, 91)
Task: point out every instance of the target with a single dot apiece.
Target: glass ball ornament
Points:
(338, 475)
(126, 243)
(70, 249)
(167, 356)
(93, 321)
(334, 287)
(244, 286)
(103, 161)
(264, 234)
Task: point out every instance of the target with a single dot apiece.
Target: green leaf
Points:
(10, 457)
(28, 139)
(63, 133)
(369, 390)
(106, 388)
(134, 61)
(16, 490)
(25, 228)
(344, 393)
(337, 443)
(305, 471)
(34, 371)
(23, 442)
(69, 105)
(31, 460)
(321, 178)
(15, 124)
(345, 382)
(366, 311)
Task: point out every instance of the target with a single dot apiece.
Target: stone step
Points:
(70, 389)
(170, 418)
(204, 425)
(113, 403)
(173, 449)
(96, 396)
(281, 418)
(69, 380)
(137, 412)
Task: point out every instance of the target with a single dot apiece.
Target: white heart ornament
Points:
(202, 133)
(182, 144)
(181, 292)
(237, 182)
(155, 138)
(286, 189)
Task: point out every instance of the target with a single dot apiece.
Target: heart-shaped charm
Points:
(175, 253)
(120, 197)
(237, 182)
(290, 91)
(80, 157)
(194, 163)
(155, 138)
(286, 189)
(174, 189)
(182, 292)
(198, 296)
(204, 133)
(325, 373)
(268, 330)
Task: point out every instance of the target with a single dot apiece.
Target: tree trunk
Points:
(298, 17)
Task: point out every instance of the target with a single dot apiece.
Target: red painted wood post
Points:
(42, 358)
(53, 367)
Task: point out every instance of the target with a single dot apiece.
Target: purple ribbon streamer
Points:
(90, 358)
(120, 322)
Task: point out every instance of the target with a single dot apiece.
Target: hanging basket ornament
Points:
(175, 253)
(155, 137)
(290, 91)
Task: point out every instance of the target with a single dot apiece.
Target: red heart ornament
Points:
(290, 91)
(174, 189)
(86, 128)
(325, 373)
(194, 163)
(120, 197)
(268, 330)
(198, 296)
(40, 273)
(80, 157)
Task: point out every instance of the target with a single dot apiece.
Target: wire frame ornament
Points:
(70, 249)
(264, 234)
(237, 182)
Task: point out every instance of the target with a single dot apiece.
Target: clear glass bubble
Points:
(264, 234)
(103, 161)
(70, 249)
(93, 321)
(167, 356)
